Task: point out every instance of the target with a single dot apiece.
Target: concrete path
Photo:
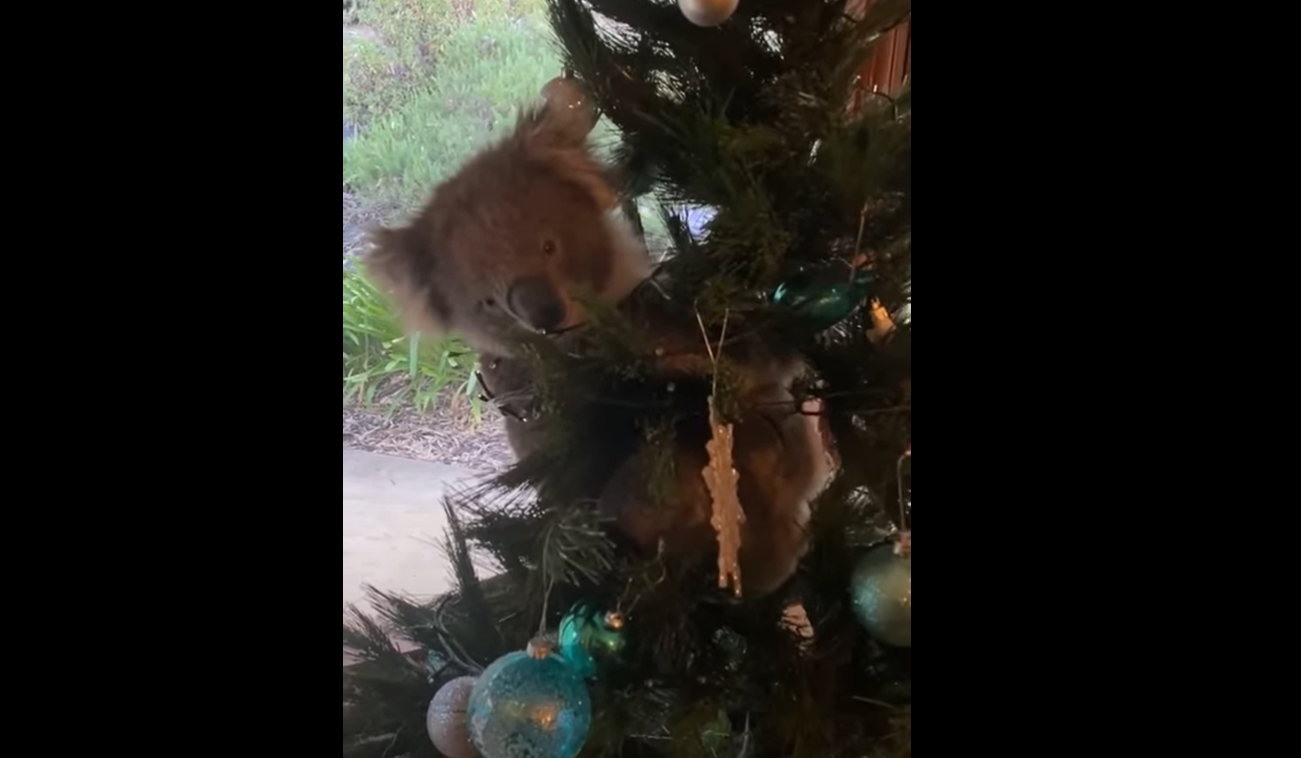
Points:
(392, 523)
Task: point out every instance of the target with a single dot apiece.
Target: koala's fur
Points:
(512, 242)
(534, 209)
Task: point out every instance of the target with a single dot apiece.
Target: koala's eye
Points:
(548, 247)
(489, 303)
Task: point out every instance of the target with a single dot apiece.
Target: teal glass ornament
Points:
(881, 595)
(591, 639)
(823, 298)
(529, 704)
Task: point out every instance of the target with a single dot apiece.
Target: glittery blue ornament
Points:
(529, 704)
(592, 639)
(881, 593)
(823, 298)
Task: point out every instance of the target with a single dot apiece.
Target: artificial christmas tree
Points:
(604, 631)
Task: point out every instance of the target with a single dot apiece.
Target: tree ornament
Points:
(881, 592)
(529, 704)
(720, 479)
(591, 639)
(707, 12)
(445, 720)
(567, 96)
(822, 298)
(882, 324)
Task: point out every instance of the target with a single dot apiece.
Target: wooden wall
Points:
(892, 61)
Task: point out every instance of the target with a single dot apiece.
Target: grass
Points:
(440, 84)
(383, 366)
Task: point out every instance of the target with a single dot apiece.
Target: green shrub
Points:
(382, 70)
(381, 365)
(418, 136)
(351, 9)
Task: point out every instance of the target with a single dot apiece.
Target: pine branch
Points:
(372, 643)
(574, 547)
(472, 598)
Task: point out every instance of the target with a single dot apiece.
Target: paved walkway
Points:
(392, 523)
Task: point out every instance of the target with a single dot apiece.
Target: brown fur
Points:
(534, 210)
(779, 459)
(534, 207)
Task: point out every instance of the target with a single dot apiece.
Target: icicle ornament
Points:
(721, 478)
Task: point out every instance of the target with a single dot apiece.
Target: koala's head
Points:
(511, 241)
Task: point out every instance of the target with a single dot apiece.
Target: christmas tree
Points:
(607, 626)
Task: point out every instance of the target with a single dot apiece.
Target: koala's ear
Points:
(399, 265)
(548, 137)
(388, 261)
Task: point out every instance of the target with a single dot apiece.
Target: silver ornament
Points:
(445, 719)
(707, 12)
(881, 593)
(570, 100)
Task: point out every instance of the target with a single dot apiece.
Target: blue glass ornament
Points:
(825, 297)
(592, 639)
(529, 704)
(881, 594)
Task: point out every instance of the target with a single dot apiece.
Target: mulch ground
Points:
(446, 435)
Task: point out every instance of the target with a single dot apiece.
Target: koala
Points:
(513, 243)
(510, 242)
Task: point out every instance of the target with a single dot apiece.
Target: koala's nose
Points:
(536, 303)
